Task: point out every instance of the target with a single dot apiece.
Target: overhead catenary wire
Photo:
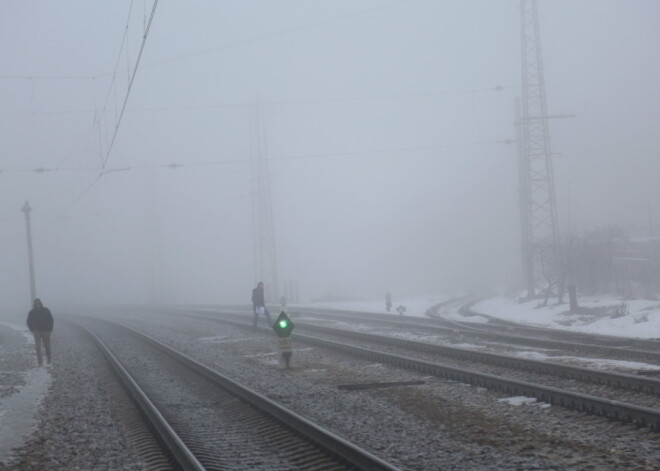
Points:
(121, 50)
(174, 165)
(104, 169)
(106, 157)
(50, 77)
(392, 96)
(265, 37)
(130, 86)
(284, 32)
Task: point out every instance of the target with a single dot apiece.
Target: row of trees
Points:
(605, 260)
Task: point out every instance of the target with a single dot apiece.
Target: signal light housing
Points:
(283, 325)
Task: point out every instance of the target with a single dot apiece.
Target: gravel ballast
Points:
(438, 425)
(81, 421)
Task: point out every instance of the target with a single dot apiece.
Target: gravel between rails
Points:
(82, 423)
(599, 390)
(439, 425)
(572, 354)
(221, 430)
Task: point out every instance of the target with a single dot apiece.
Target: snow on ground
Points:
(415, 306)
(17, 410)
(607, 315)
(597, 363)
(523, 400)
(22, 329)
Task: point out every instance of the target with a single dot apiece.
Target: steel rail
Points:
(652, 344)
(496, 336)
(613, 410)
(466, 308)
(182, 455)
(618, 380)
(324, 439)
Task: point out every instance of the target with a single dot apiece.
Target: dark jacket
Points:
(258, 297)
(40, 319)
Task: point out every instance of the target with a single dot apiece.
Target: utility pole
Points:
(265, 256)
(650, 210)
(156, 290)
(538, 208)
(524, 206)
(33, 291)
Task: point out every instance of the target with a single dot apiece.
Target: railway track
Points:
(624, 381)
(205, 420)
(602, 346)
(591, 404)
(617, 380)
(495, 324)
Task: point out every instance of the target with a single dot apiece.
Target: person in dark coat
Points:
(40, 323)
(259, 305)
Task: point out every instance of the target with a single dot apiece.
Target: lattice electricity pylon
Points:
(537, 191)
(265, 256)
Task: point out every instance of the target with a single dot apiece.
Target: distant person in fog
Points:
(259, 305)
(40, 323)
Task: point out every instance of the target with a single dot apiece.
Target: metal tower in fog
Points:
(538, 208)
(265, 256)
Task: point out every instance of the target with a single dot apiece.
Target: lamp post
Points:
(33, 291)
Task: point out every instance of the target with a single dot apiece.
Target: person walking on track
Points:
(259, 305)
(40, 323)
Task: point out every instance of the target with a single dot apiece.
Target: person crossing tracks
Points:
(259, 305)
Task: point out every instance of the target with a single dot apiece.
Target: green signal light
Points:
(283, 325)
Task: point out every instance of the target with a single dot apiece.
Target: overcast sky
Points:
(384, 131)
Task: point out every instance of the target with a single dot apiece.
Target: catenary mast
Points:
(265, 256)
(538, 208)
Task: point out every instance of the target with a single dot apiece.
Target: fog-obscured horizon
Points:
(389, 131)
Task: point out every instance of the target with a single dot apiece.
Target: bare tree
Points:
(593, 257)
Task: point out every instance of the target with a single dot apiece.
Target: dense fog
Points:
(389, 128)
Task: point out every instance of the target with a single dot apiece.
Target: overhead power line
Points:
(49, 77)
(104, 160)
(130, 86)
(265, 37)
(393, 96)
(284, 32)
(113, 82)
(173, 165)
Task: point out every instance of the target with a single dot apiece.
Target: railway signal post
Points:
(283, 328)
